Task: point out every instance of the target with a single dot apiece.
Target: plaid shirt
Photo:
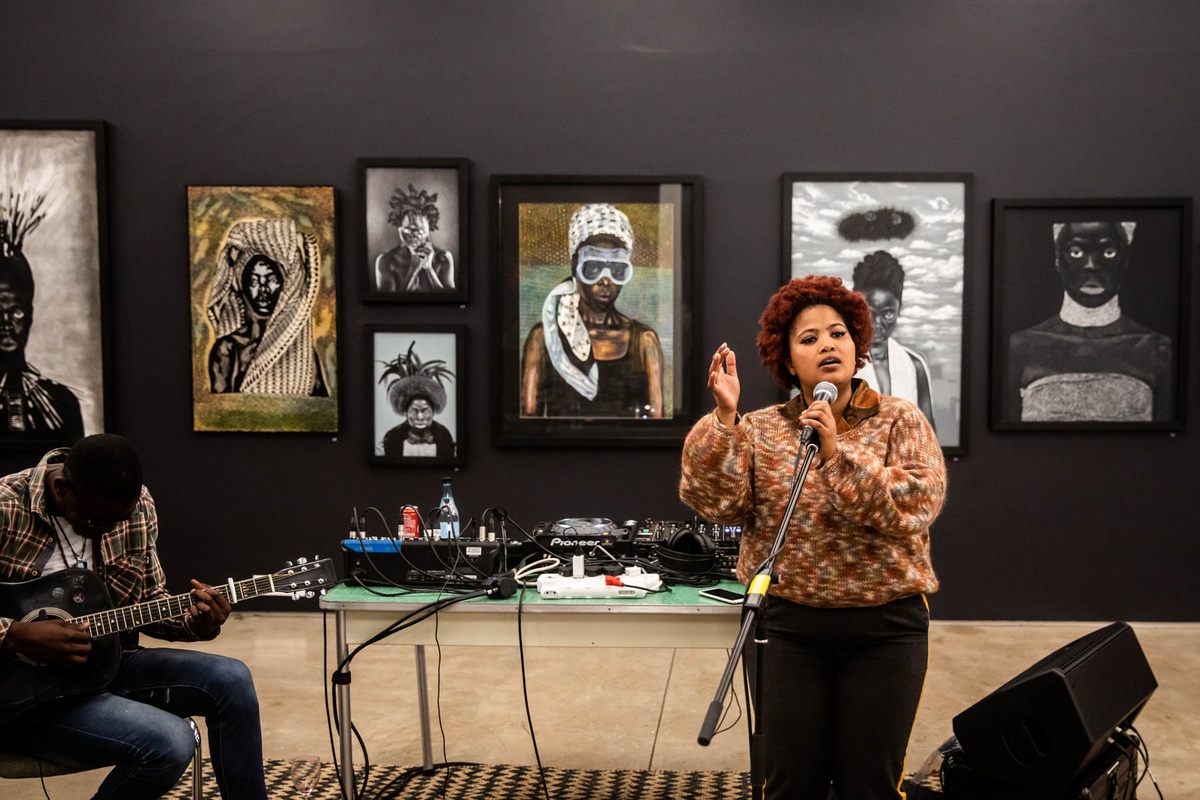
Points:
(129, 555)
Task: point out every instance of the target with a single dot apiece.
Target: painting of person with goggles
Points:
(585, 358)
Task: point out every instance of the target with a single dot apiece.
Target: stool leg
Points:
(197, 763)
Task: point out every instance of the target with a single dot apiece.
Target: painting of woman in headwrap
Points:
(260, 308)
(264, 358)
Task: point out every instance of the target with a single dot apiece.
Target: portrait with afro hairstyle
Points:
(415, 222)
(793, 297)
(408, 378)
(415, 201)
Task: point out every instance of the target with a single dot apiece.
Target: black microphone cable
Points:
(525, 688)
(534, 540)
(1144, 750)
(331, 724)
(341, 675)
(452, 568)
(370, 561)
(399, 550)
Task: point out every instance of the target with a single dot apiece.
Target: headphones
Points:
(687, 551)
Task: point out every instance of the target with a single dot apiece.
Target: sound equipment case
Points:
(1113, 775)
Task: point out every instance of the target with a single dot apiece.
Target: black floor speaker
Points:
(1044, 726)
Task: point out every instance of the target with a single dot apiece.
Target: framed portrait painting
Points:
(418, 397)
(904, 241)
(593, 293)
(414, 229)
(1089, 315)
(54, 327)
(263, 308)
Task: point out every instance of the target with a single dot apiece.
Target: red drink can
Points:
(410, 522)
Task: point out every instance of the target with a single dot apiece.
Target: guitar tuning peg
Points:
(316, 557)
(309, 595)
(301, 560)
(287, 563)
(295, 595)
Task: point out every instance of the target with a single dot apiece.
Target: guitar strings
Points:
(122, 618)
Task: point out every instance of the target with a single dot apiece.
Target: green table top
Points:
(345, 596)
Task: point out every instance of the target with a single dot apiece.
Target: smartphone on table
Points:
(723, 595)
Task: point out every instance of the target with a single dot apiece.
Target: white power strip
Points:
(634, 583)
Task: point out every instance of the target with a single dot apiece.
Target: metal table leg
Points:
(342, 692)
(423, 706)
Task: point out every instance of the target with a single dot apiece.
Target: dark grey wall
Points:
(1076, 98)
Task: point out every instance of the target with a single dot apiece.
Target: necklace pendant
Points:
(81, 565)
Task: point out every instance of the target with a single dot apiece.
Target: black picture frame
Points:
(448, 181)
(66, 255)
(531, 221)
(1090, 368)
(832, 222)
(430, 343)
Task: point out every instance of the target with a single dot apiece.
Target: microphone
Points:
(824, 391)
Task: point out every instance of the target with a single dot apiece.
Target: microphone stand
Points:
(752, 615)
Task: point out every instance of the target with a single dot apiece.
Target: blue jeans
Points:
(138, 725)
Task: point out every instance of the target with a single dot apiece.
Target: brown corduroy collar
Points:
(864, 403)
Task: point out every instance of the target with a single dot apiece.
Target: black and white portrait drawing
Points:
(416, 394)
(1095, 357)
(52, 349)
(901, 241)
(415, 229)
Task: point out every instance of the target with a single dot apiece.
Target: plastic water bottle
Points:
(448, 524)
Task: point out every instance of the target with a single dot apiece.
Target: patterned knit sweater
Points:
(860, 532)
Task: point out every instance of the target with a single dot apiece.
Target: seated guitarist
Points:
(86, 508)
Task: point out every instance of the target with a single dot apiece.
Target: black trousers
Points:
(840, 692)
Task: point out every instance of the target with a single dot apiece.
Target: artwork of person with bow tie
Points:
(416, 391)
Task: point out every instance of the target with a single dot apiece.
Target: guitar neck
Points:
(127, 618)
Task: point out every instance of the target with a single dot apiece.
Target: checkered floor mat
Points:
(492, 781)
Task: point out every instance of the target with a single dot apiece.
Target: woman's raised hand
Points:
(723, 382)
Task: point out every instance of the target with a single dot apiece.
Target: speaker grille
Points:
(1068, 656)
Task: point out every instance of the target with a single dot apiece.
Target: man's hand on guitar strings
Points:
(53, 642)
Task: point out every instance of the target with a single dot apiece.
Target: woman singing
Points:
(847, 622)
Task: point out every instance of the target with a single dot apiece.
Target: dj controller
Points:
(633, 538)
(605, 544)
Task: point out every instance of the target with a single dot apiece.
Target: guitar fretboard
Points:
(127, 618)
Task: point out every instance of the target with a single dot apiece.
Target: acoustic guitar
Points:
(78, 595)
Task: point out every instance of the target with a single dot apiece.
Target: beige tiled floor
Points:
(609, 708)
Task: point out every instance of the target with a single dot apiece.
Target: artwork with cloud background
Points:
(922, 225)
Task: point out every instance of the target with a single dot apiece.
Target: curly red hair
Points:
(793, 297)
